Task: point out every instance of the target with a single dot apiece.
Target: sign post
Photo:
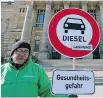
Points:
(73, 33)
(73, 63)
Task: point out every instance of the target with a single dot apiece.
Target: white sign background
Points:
(87, 33)
(59, 86)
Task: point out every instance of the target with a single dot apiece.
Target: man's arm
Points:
(44, 84)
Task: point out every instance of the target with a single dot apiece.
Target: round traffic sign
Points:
(74, 33)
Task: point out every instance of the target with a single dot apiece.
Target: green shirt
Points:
(30, 80)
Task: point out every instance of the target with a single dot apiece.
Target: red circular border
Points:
(68, 51)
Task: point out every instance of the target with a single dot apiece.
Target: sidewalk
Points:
(98, 93)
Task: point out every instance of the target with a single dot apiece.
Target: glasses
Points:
(20, 51)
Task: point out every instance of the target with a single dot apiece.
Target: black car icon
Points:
(75, 24)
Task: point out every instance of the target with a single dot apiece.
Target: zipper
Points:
(17, 73)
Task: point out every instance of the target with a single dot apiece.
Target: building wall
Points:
(12, 19)
(11, 25)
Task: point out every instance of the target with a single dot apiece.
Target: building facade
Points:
(20, 20)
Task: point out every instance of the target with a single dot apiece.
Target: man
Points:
(21, 77)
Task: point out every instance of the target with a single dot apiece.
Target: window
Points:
(40, 18)
(92, 12)
(20, 10)
(23, 9)
(37, 44)
(56, 10)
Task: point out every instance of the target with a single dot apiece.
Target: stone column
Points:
(43, 54)
(84, 7)
(66, 5)
(101, 28)
(27, 27)
(33, 28)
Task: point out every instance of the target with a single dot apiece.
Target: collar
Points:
(18, 66)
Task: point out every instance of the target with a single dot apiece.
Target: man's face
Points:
(20, 55)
